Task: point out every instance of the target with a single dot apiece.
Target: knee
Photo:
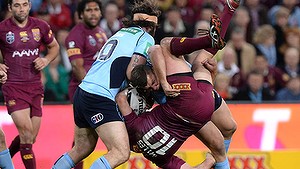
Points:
(122, 153)
(228, 131)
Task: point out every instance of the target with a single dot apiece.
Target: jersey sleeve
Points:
(74, 44)
(143, 45)
(47, 33)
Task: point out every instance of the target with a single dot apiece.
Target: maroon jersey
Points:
(83, 42)
(160, 133)
(20, 47)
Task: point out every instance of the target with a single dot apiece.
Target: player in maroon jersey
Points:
(21, 37)
(83, 42)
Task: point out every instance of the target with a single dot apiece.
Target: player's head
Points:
(19, 9)
(145, 14)
(90, 12)
(142, 76)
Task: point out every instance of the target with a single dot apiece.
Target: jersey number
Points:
(162, 149)
(107, 50)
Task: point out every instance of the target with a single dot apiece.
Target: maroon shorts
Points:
(22, 96)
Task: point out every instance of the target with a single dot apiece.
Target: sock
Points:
(222, 165)
(181, 46)
(101, 163)
(14, 146)
(27, 156)
(225, 18)
(227, 143)
(79, 165)
(64, 162)
(5, 160)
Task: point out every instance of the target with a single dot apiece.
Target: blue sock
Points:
(64, 162)
(5, 160)
(227, 143)
(222, 165)
(101, 163)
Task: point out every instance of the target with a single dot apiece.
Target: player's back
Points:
(109, 70)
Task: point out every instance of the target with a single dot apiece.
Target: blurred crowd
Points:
(259, 63)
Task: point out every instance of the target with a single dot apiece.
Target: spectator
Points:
(258, 13)
(264, 40)
(187, 13)
(227, 65)
(60, 14)
(274, 78)
(254, 91)
(222, 86)
(110, 23)
(241, 19)
(61, 38)
(294, 12)
(281, 24)
(291, 92)
(173, 26)
(245, 51)
(292, 39)
(291, 62)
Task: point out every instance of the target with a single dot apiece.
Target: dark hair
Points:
(82, 4)
(148, 7)
(9, 2)
(139, 75)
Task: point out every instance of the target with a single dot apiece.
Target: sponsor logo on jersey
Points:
(50, 33)
(10, 37)
(131, 30)
(24, 36)
(74, 51)
(71, 44)
(182, 40)
(27, 156)
(147, 48)
(36, 34)
(101, 37)
(97, 118)
(10, 103)
(181, 86)
(27, 52)
(92, 40)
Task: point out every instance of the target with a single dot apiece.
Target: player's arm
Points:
(78, 69)
(3, 67)
(136, 59)
(123, 105)
(3, 77)
(53, 48)
(157, 58)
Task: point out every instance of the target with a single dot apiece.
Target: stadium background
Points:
(267, 138)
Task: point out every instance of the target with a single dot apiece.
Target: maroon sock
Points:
(14, 146)
(182, 46)
(27, 156)
(225, 18)
(80, 164)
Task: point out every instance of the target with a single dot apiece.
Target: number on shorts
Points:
(162, 149)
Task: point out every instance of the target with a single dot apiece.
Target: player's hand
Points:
(3, 67)
(211, 65)
(3, 77)
(169, 91)
(40, 63)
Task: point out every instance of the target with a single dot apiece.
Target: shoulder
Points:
(37, 21)
(78, 29)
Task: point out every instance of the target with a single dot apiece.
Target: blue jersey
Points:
(109, 70)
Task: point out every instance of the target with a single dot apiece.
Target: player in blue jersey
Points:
(5, 158)
(95, 110)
